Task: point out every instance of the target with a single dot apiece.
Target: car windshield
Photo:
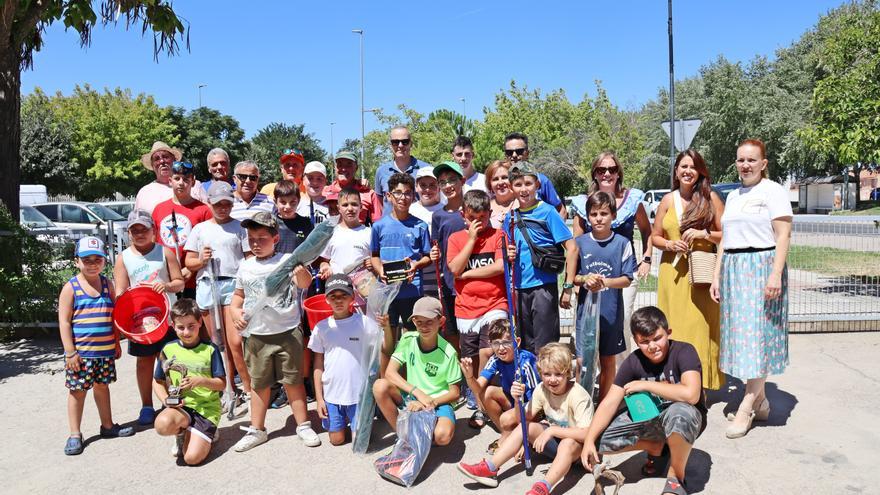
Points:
(104, 213)
(31, 217)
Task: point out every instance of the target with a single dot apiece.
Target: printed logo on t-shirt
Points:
(480, 259)
(167, 230)
(431, 369)
(754, 206)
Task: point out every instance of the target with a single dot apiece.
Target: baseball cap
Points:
(140, 217)
(524, 168)
(425, 172)
(330, 194)
(447, 165)
(292, 155)
(88, 246)
(428, 307)
(261, 218)
(315, 166)
(220, 191)
(338, 281)
(348, 155)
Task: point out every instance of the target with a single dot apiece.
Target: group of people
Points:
(478, 259)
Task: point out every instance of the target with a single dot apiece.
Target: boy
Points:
(606, 263)
(443, 224)
(669, 369)
(432, 376)
(292, 228)
(351, 239)
(176, 217)
(85, 305)
(195, 417)
(338, 343)
(537, 288)
(430, 201)
(401, 236)
(565, 406)
(312, 204)
(273, 350)
(497, 400)
(476, 261)
(215, 249)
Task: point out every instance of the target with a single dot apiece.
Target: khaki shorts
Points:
(275, 358)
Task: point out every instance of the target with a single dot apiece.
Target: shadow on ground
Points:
(29, 356)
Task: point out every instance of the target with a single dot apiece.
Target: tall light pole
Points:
(360, 33)
(671, 103)
(463, 108)
(332, 149)
(200, 94)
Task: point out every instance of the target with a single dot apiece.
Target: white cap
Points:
(425, 172)
(315, 166)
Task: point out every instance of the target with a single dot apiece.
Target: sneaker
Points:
(471, 399)
(480, 473)
(280, 399)
(308, 435)
(538, 488)
(146, 416)
(177, 448)
(251, 439)
(116, 431)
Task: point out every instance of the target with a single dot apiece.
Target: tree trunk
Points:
(10, 128)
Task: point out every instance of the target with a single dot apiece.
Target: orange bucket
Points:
(317, 309)
(142, 315)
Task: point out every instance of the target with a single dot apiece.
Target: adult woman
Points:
(607, 174)
(503, 199)
(689, 219)
(751, 281)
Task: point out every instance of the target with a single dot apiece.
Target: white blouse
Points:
(748, 214)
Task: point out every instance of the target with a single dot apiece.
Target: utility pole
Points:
(671, 102)
(360, 33)
(200, 94)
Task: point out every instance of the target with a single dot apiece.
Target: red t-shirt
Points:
(478, 296)
(187, 216)
(371, 203)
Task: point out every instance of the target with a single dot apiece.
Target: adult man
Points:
(346, 176)
(401, 148)
(516, 149)
(218, 167)
(159, 160)
(292, 164)
(247, 200)
(463, 154)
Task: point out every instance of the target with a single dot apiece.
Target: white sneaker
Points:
(177, 448)
(251, 439)
(308, 435)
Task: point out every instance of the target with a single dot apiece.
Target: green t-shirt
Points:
(202, 360)
(433, 371)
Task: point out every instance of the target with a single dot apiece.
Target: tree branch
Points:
(28, 21)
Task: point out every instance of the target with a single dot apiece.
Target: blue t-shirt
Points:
(547, 193)
(207, 185)
(444, 224)
(506, 372)
(546, 228)
(394, 240)
(611, 257)
(625, 221)
(385, 171)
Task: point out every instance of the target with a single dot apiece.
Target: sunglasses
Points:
(606, 170)
(518, 151)
(244, 177)
(182, 168)
(291, 151)
(400, 142)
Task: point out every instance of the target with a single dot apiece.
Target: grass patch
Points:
(834, 262)
(868, 209)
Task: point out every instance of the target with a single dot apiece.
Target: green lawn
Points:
(864, 210)
(834, 262)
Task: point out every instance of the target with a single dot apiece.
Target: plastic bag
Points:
(378, 301)
(415, 432)
(363, 281)
(587, 337)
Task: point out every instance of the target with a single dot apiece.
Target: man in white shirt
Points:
(463, 154)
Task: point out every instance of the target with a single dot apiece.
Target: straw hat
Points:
(146, 158)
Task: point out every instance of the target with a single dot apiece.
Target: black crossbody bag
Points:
(548, 258)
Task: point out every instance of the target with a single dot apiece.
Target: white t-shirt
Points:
(476, 181)
(268, 319)
(748, 213)
(227, 241)
(321, 211)
(343, 344)
(425, 213)
(347, 246)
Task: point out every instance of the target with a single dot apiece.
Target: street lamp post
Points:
(200, 94)
(463, 108)
(332, 149)
(671, 103)
(360, 33)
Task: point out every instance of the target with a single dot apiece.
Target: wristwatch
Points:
(567, 286)
(646, 259)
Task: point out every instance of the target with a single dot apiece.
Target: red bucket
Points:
(317, 309)
(142, 315)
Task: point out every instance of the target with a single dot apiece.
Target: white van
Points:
(30, 194)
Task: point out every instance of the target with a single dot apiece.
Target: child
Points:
(85, 306)
(497, 401)
(176, 217)
(476, 260)
(537, 288)
(146, 262)
(401, 236)
(430, 201)
(312, 204)
(432, 376)
(605, 263)
(443, 224)
(351, 239)
(195, 418)
(338, 344)
(274, 347)
(669, 369)
(567, 409)
(217, 247)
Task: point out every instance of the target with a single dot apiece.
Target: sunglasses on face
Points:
(182, 168)
(600, 171)
(291, 151)
(517, 151)
(400, 142)
(244, 177)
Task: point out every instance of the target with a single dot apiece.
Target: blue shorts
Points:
(441, 411)
(340, 417)
(205, 296)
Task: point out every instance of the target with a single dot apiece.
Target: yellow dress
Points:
(692, 314)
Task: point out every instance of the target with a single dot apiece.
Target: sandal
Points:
(74, 445)
(478, 420)
(492, 447)
(656, 464)
(674, 487)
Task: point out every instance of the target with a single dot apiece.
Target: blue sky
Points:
(298, 62)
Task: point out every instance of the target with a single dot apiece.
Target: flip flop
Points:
(74, 445)
(478, 420)
(674, 486)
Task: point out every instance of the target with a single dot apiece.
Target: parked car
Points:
(80, 214)
(31, 219)
(121, 207)
(652, 201)
(725, 188)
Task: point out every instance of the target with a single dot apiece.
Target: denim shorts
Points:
(205, 295)
(340, 417)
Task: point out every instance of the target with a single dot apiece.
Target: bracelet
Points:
(70, 354)
(413, 390)
(667, 244)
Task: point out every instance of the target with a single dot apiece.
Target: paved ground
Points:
(822, 437)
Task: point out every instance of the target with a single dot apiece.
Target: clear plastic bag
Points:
(587, 337)
(415, 432)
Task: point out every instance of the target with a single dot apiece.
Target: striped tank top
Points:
(93, 333)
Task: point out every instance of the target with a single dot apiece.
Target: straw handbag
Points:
(701, 264)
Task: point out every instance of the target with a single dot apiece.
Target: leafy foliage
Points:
(203, 129)
(267, 145)
(46, 147)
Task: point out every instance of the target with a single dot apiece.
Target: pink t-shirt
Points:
(154, 193)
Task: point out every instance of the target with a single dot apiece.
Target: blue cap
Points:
(88, 246)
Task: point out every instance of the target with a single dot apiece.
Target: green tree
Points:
(22, 24)
(46, 147)
(268, 144)
(200, 130)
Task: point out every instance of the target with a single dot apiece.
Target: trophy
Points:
(172, 364)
